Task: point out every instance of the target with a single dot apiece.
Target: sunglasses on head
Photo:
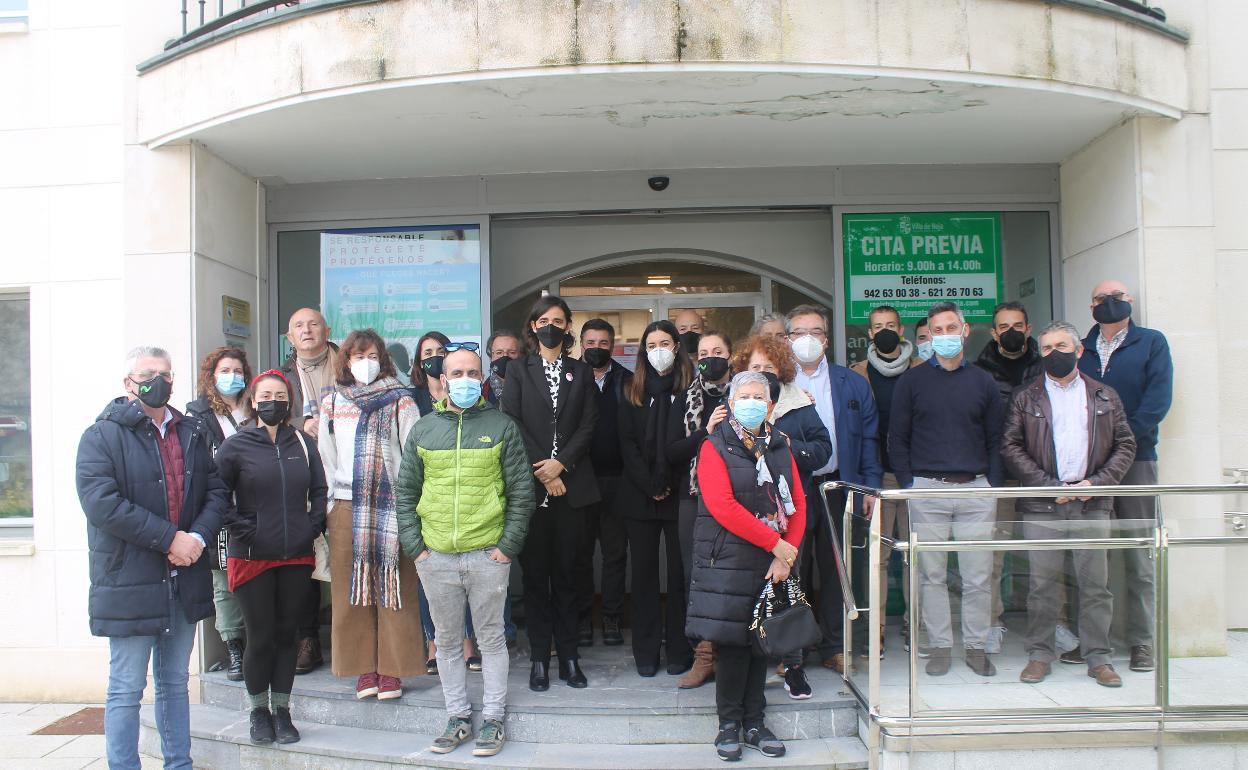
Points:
(451, 347)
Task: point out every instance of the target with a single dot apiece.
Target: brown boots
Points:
(703, 669)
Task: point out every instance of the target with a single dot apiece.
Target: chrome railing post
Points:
(877, 605)
(1161, 618)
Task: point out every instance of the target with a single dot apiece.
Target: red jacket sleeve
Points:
(797, 522)
(716, 490)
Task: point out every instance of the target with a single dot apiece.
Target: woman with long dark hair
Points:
(274, 475)
(552, 396)
(427, 370)
(649, 498)
(696, 412)
(223, 376)
(364, 422)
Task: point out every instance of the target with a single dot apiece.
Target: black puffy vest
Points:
(728, 571)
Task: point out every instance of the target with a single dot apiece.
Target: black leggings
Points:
(273, 604)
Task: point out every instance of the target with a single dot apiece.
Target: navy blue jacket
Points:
(1141, 372)
(121, 488)
(809, 442)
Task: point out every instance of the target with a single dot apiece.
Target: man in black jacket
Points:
(602, 523)
(152, 498)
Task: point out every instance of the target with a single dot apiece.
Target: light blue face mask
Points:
(947, 345)
(750, 412)
(924, 351)
(464, 391)
(230, 384)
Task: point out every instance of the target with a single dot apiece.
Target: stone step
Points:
(220, 742)
(619, 706)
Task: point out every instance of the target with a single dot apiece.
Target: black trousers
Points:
(649, 616)
(818, 571)
(272, 603)
(739, 679)
(310, 616)
(684, 526)
(604, 525)
(549, 564)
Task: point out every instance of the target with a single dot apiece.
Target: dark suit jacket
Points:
(527, 399)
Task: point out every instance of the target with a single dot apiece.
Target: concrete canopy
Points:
(646, 117)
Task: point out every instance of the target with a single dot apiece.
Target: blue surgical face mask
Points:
(924, 351)
(750, 412)
(230, 384)
(947, 345)
(464, 391)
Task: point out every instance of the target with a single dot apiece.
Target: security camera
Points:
(658, 183)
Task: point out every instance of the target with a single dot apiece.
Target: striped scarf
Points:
(374, 520)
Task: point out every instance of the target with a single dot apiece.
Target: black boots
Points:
(283, 727)
(234, 671)
(539, 677)
(570, 672)
(262, 726)
(611, 635)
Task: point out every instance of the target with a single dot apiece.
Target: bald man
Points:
(689, 324)
(1135, 362)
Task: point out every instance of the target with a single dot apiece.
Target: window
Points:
(13, 16)
(16, 487)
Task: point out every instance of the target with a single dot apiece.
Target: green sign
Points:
(914, 260)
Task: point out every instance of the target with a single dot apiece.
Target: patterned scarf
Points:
(693, 418)
(374, 523)
(775, 488)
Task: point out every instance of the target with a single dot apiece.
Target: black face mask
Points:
(432, 366)
(551, 336)
(689, 343)
(713, 368)
(1012, 341)
(273, 413)
(1111, 311)
(774, 382)
(886, 341)
(498, 367)
(155, 392)
(1058, 364)
(596, 357)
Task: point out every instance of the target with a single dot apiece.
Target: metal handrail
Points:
(1158, 542)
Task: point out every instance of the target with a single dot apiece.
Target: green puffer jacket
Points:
(465, 483)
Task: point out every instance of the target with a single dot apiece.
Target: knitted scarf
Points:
(374, 523)
(693, 418)
(897, 366)
(775, 487)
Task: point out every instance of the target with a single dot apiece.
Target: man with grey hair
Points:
(152, 498)
(945, 433)
(1067, 430)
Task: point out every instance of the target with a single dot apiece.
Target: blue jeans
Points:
(170, 653)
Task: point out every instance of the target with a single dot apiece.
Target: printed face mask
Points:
(365, 370)
(155, 392)
(713, 368)
(432, 366)
(498, 367)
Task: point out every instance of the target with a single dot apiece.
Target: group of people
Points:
(411, 493)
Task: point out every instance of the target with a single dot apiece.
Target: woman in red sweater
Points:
(751, 518)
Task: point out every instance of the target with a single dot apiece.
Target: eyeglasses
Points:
(818, 334)
(1099, 298)
(472, 347)
(145, 376)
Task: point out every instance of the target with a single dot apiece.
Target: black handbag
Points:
(778, 630)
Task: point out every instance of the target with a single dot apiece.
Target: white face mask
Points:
(661, 359)
(365, 370)
(807, 349)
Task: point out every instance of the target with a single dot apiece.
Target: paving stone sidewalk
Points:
(22, 749)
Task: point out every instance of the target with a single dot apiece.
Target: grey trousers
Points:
(1136, 517)
(954, 519)
(1096, 604)
(450, 580)
(229, 620)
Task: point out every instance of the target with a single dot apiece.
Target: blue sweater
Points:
(946, 422)
(1143, 375)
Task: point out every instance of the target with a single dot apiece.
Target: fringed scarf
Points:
(694, 404)
(374, 523)
(775, 487)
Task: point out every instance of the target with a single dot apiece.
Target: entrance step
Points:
(220, 742)
(618, 708)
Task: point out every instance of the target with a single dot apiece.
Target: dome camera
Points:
(658, 183)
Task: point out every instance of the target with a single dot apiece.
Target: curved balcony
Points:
(893, 71)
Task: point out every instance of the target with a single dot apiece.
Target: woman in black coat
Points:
(552, 397)
(274, 474)
(649, 498)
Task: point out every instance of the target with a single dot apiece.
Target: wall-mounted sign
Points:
(235, 317)
(914, 260)
(403, 282)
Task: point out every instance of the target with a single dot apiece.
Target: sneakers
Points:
(458, 730)
(389, 688)
(310, 657)
(992, 645)
(1065, 639)
(796, 684)
(763, 740)
(491, 739)
(262, 726)
(977, 661)
(1141, 657)
(366, 686)
(728, 742)
(611, 634)
(283, 728)
(474, 663)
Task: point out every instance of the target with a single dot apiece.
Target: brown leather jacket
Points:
(1030, 455)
